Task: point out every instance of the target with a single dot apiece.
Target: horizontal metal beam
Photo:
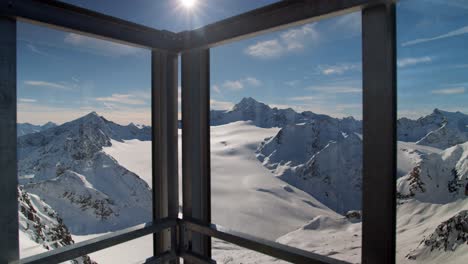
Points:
(269, 18)
(70, 18)
(98, 243)
(267, 247)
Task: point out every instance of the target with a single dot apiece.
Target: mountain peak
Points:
(248, 102)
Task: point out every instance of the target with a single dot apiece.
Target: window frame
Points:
(189, 237)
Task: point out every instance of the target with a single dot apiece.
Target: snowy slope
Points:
(322, 158)
(238, 176)
(258, 194)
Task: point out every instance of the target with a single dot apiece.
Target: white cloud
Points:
(27, 100)
(265, 49)
(252, 81)
(338, 68)
(295, 39)
(292, 40)
(239, 84)
(220, 105)
(404, 62)
(448, 91)
(454, 33)
(292, 83)
(128, 99)
(233, 85)
(100, 47)
(335, 89)
(44, 84)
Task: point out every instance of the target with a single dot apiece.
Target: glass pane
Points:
(286, 140)
(432, 182)
(84, 138)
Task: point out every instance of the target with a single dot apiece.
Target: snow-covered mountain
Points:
(67, 167)
(437, 177)
(440, 129)
(262, 115)
(322, 158)
(27, 128)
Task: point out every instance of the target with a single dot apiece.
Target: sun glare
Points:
(188, 3)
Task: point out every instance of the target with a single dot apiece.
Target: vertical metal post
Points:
(196, 147)
(9, 245)
(164, 80)
(379, 165)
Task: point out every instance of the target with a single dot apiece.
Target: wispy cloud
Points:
(128, 99)
(34, 49)
(292, 40)
(453, 33)
(335, 89)
(404, 62)
(27, 100)
(240, 84)
(292, 82)
(304, 98)
(100, 47)
(220, 105)
(216, 89)
(233, 85)
(449, 91)
(338, 68)
(50, 85)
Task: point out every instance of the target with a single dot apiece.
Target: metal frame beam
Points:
(276, 250)
(270, 18)
(379, 97)
(71, 18)
(196, 147)
(9, 246)
(379, 133)
(99, 243)
(164, 79)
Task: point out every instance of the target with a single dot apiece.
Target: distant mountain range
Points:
(26, 128)
(64, 168)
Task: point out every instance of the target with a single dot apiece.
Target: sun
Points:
(188, 3)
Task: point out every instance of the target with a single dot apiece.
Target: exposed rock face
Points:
(437, 178)
(43, 225)
(450, 235)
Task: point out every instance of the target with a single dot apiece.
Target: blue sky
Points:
(314, 67)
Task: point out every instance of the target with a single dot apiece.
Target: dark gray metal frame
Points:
(190, 237)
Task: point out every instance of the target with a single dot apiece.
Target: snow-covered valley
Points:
(290, 177)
